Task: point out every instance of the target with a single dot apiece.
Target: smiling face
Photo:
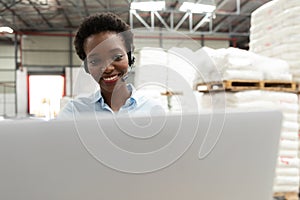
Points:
(107, 59)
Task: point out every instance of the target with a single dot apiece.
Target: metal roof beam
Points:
(64, 13)
(202, 22)
(238, 5)
(133, 12)
(161, 20)
(85, 8)
(101, 3)
(236, 28)
(221, 4)
(182, 20)
(222, 24)
(72, 3)
(15, 14)
(127, 2)
(10, 6)
(41, 14)
(2, 19)
(108, 5)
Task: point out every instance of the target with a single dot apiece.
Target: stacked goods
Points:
(247, 66)
(278, 38)
(206, 65)
(167, 76)
(287, 171)
(299, 136)
(178, 70)
(173, 64)
(171, 76)
(238, 64)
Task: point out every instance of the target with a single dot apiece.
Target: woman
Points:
(105, 43)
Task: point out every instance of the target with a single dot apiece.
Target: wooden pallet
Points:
(170, 93)
(287, 195)
(211, 86)
(241, 85)
(287, 86)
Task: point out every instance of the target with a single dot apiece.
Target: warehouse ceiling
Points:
(231, 17)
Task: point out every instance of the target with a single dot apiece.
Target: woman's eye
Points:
(94, 62)
(118, 57)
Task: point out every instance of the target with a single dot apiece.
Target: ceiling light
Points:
(197, 7)
(6, 29)
(148, 5)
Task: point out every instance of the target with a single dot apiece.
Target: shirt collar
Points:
(133, 99)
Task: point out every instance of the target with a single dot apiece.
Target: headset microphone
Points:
(125, 75)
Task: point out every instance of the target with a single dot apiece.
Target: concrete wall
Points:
(171, 39)
(7, 63)
(47, 51)
(7, 80)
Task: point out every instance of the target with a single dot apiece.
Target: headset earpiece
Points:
(86, 66)
(131, 58)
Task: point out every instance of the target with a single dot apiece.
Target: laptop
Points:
(221, 156)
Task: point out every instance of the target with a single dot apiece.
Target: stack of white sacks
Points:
(168, 77)
(238, 64)
(287, 170)
(179, 69)
(243, 65)
(275, 32)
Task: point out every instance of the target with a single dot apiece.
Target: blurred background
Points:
(37, 59)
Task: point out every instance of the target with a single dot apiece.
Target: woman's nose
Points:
(109, 68)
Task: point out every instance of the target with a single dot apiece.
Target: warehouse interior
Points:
(42, 41)
(251, 45)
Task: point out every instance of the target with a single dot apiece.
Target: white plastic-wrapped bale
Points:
(171, 74)
(277, 38)
(234, 63)
(287, 172)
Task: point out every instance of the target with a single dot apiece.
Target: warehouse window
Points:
(45, 92)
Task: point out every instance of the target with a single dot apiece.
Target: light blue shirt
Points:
(94, 103)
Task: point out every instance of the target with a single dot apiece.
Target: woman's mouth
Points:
(111, 79)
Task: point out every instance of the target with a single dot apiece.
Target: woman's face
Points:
(107, 59)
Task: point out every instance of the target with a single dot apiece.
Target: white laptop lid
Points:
(176, 157)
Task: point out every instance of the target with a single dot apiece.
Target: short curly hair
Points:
(102, 22)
